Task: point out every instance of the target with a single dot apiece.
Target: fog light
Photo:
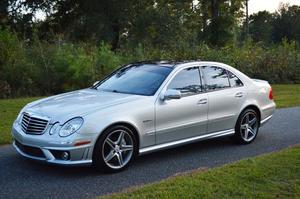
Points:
(65, 155)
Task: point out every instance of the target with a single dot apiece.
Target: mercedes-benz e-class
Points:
(140, 108)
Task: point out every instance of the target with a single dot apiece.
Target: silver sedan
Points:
(140, 108)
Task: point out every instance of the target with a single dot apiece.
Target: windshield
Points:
(141, 79)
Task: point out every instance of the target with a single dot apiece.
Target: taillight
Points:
(271, 94)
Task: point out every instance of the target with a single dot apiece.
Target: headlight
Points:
(71, 127)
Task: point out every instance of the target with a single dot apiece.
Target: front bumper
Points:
(50, 148)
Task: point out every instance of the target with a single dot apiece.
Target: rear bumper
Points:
(267, 113)
(41, 148)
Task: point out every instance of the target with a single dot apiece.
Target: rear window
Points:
(234, 80)
(215, 78)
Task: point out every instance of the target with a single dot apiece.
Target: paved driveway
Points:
(21, 178)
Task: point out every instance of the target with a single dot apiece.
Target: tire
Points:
(115, 149)
(247, 126)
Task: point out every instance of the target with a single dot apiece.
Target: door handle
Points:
(239, 94)
(202, 101)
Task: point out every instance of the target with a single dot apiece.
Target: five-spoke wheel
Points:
(114, 149)
(247, 127)
(117, 149)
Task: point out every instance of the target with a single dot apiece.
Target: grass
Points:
(285, 96)
(275, 175)
(9, 109)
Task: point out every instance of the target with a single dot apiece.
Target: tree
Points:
(160, 23)
(3, 12)
(220, 17)
(163, 24)
(286, 23)
(260, 27)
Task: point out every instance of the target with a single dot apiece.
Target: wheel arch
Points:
(255, 108)
(126, 124)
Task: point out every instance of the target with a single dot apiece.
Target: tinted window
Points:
(215, 77)
(187, 81)
(141, 79)
(234, 80)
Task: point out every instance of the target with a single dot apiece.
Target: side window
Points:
(215, 77)
(187, 81)
(234, 80)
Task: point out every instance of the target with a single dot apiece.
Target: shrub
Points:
(43, 68)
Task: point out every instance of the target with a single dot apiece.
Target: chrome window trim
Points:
(237, 77)
(188, 94)
(221, 89)
(180, 67)
(204, 78)
(171, 76)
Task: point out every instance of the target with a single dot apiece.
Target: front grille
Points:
(33, 125)
(29, 150)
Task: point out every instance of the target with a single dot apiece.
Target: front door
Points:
(185, 117)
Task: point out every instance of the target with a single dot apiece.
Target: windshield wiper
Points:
(94, 88)
(110, 90)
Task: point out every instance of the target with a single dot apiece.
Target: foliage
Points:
(43, 68)
(275, 27)
(162, 24)
(219, 18)
(287, 23)
(261, 27)
(159, 23)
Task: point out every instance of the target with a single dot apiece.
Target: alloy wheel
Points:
(117, 149)
(249, 126)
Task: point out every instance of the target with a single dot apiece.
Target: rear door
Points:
(226, 95)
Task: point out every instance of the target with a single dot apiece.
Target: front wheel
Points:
(115, 149)
(247, 126)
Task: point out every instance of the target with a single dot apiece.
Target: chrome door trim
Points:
(185, 141)
(164, 85)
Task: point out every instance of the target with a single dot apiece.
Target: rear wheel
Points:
(115, 149)
(247, 126)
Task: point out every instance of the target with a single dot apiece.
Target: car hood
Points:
(77, 103)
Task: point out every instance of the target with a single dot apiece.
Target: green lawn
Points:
(275, 175)
(9, 110)
(285, 96)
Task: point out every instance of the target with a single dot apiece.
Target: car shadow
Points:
(154, 158)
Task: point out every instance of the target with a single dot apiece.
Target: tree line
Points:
(158, 23)
(53, 46)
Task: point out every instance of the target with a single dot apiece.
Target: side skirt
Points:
(185, 141)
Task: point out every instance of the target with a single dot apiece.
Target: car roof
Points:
(165, 63)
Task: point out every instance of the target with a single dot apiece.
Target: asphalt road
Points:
(21, 178)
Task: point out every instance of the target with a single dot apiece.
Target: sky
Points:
(269, 5)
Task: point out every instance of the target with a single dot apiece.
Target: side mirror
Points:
(171, 94)
(95, 83)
